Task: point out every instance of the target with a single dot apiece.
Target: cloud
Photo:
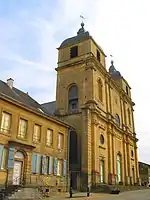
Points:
(29, 38)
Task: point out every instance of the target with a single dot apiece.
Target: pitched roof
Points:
(49, 107)
(18, 95)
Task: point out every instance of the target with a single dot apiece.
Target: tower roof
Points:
(113, 72)
(81, 36)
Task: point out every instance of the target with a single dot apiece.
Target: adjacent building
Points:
(144, 171)
(33, 144)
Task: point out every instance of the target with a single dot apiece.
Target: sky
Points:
(31, 31)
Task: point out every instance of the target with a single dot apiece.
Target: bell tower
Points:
(79, 59)
(75, 71)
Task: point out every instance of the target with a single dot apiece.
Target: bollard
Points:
(88, 191)
(70, 192)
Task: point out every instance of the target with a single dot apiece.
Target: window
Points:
(98, 55)
(36, 163)
(129, 116)
(100, 90)
(117, 119)
(73, 98)
(49, 137)
(4, 159)
(101, 139)
(132, 153)
(101, 171)
(37, 133)
(118, 168)
(74, 52)
(59, 168)
(22, 132)
(60, 140)
(5, 122)
(127, 90)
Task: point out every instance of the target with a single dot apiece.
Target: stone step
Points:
(26, 193)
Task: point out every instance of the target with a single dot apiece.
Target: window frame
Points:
(100, 90)
(20, 134)
(73, 98)
(59, 167)
(98, 55)
(74, 52)
(50, 144)
(4, 159)
(36, 138)
(2, 126)
(61, 145)
(102, 175)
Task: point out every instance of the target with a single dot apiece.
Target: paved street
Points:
(131, 195)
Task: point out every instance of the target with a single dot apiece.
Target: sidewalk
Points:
(78, 196)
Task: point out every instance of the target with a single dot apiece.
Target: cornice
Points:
(31, 109)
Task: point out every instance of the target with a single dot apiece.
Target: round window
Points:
(101, 139)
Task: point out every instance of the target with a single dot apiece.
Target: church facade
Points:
(98, 104)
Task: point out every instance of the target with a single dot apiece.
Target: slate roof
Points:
(18, 95)
(22, 98)
(49, 107)
(81, 36)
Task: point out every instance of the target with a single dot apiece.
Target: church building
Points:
(86, 137)
(98, 104)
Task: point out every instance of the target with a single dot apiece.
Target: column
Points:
(95, 170)
(136, 165)
(28, 177)
(128, 158)
(84, 150)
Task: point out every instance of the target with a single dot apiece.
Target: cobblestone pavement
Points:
(131, 195)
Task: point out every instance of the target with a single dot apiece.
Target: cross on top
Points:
(82, 18)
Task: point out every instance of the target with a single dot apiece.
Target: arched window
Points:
(101, 171)
(117, 119)
(129, 116)
(19, 154)
(118, 167)
(73, 98)
(100, 90)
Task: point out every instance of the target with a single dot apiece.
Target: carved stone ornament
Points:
(95, 122)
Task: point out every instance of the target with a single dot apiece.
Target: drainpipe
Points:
(68, 167)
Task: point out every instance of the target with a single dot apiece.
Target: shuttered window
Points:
(36, 163)
(11, 158)
(59, 168)
(4, 159)
(50, 171)
(64, 168)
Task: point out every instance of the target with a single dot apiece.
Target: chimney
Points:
(10, 82)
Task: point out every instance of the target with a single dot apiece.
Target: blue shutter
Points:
(55, 166)
(34, 156)
(1, 154)
(50, 165)
(64, 168)
(44, 165)
(11, 158)
(38, 163)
